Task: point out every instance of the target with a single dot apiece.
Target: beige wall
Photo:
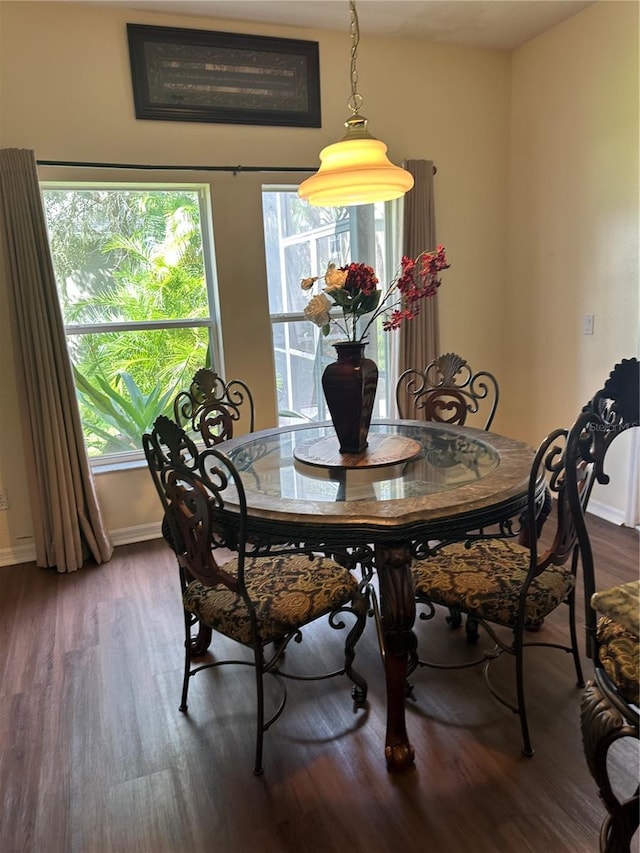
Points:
(65, 92)
(573, 223)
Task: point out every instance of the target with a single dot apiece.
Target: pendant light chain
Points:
(355, 101)
(355, 170)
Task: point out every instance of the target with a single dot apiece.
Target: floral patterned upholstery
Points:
(288, 592)
(618, 651)
(486, 579)
(621, 603)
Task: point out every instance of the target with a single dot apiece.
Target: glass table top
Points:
(446, 458)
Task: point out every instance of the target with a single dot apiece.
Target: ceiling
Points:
(484, 23)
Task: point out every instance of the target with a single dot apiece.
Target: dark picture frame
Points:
(200, 75)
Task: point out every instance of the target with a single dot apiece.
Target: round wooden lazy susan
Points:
(382, 450)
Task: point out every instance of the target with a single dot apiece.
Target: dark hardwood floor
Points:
(96, 756)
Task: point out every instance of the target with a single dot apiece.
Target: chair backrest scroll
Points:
(192, 487)
(212, 406)
(613, 410)
(447, 391)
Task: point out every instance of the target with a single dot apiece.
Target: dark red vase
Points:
(349, 386)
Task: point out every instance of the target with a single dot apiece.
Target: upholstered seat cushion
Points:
(485, 580)
(619, 655)
(620, 603)
(288, 592)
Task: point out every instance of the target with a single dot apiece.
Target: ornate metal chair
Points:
(609, 708)
(447, 391)
(261, 601)
(212, 406)
(512, 583)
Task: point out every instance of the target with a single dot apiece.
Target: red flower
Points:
(361, 278)
(354, 290)
(416, 282)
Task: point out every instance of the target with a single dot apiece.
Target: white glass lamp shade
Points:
(355, 170)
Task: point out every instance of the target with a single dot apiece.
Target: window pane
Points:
(334, 248)
(301, 354)
(125, 380)
(299, 216)
(297, 260)
(127, 255)
(300, 242)
(130, 255)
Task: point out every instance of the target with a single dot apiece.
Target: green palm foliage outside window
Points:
(131, 272)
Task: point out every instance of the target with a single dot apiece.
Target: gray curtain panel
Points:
(68, 526)
(419, 341)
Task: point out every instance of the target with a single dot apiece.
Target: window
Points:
(135, 285)
(301, 240)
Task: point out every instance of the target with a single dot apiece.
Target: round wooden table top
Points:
(459, 476)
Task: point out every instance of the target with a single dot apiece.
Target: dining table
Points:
(416, 483)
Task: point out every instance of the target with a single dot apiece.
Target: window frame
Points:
(318, 233)
(134, 458)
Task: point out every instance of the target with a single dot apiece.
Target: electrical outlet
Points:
(4, 500)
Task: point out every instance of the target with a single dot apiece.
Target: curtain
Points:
(68, 526)
(419, 340)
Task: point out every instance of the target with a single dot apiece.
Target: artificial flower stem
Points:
(342, 328)
(380, 309)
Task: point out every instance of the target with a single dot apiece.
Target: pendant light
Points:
(355, 170)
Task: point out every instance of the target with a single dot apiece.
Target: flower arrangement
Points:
(354, 289)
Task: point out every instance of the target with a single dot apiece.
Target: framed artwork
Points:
(198, 75)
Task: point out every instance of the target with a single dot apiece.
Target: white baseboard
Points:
(124, 536)
(18, 554)
(615, 516)
(139, 533)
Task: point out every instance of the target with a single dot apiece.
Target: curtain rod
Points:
(234, 169)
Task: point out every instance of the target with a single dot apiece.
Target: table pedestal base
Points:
(398, 612)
